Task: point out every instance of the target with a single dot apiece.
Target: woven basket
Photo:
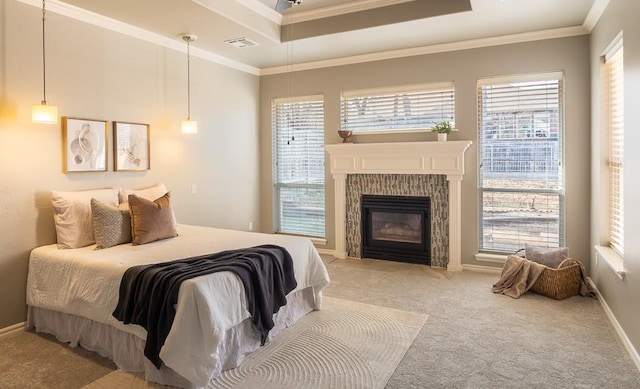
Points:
(559, 283)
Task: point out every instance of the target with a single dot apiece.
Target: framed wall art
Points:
(131, 147)
(84, 144)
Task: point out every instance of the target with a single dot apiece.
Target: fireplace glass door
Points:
(396, 227)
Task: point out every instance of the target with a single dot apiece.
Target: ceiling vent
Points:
(241, 42)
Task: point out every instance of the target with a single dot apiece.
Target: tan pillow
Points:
(150, 193)
(111, 224)
(548, 257)
(151, 220)
(72, 215)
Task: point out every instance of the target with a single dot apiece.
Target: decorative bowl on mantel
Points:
(345, 135)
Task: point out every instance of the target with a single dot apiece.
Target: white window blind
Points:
(298, 165)
(398, 108)
(521, 131)
(614, 65)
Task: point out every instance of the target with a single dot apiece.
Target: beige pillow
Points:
(111, 224)
(151, 220)
(546, 256)
(72, 215)
(150, 193)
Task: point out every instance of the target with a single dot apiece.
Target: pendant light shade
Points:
(189, 126)
(44, 113)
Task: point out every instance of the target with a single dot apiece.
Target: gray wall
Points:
(465, 67)
(621, 295)
(99, 74)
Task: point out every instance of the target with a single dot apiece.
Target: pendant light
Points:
(43, 113)
(189, 126)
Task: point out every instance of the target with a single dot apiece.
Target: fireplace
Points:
(403, 158)
(396, 228)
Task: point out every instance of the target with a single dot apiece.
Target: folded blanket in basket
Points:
(585, 288)
(518, 275)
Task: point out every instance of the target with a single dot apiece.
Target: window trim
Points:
(277, 186)
(613, 240)
(494, 255)
(398, 89)
(612, 258)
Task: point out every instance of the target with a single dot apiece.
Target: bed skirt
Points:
(127, 350)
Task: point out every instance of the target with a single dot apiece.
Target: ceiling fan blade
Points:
(282, 5)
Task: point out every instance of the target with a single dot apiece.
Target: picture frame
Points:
(131, 146)
(84, 145)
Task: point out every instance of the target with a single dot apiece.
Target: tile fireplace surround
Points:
(424, 158)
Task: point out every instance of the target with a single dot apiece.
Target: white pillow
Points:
(72, 215)
(151, 193)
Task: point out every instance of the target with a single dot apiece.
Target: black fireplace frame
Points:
(396, 251)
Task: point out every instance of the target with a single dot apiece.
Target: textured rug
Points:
(345, 345)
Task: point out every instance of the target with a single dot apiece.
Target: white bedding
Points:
(85, 282)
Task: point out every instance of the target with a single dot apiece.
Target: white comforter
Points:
(86, 282)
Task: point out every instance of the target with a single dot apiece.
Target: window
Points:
(615, 127)
(405, 108)
(520, 141)
(298, 165)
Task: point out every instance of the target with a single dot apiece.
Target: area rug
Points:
(344, 345)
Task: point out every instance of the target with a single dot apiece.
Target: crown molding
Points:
(596, 11)
(261, 9)
(319, 13)
(80, 14)
(432, 49)
(225, 9)
(338, 9)
(98, 20)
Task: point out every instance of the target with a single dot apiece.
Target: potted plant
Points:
(442, 129)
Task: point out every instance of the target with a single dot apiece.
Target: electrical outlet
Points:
(250, 226)
(194, 188)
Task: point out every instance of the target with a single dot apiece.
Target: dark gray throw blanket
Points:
(149, 293)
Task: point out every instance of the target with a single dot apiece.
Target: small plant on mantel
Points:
(442, 128)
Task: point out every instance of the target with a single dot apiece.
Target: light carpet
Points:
(345, 345)
(30, 360)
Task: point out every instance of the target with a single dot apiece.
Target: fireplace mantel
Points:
(400, 158)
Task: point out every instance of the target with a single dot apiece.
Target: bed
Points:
(72, 293)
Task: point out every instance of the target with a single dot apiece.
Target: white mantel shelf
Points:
(400, 158)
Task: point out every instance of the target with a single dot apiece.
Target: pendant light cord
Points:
(290, 85)
(188, 78)
(44, 62)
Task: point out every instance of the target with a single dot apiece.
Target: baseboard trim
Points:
(482, 269)
(633, 353)
(12, 329)
(327, 252)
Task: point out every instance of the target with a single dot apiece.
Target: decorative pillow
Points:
(150, 193)
(72, 215)
(545, 256)
(111, 224)
(151, 220)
